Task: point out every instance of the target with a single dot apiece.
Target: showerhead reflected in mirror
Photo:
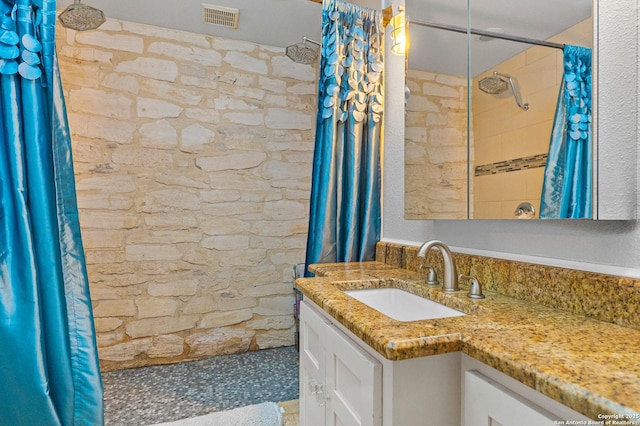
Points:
(478, 123)
(493, 85)
(499, 83)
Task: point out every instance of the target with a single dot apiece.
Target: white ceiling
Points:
(445, 52)
(284, 22)
(271, 22)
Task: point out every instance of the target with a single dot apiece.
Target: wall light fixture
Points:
(400, 33)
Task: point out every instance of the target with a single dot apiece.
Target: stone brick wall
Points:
(193, 162)
(435, 180)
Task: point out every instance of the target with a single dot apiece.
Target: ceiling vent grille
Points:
(219, 15)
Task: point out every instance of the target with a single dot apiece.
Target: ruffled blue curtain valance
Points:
(567, 191)
(49, 372)
(344, 222)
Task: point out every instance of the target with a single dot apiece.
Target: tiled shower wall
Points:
(436, 136)
(503, 132)
(193, 162)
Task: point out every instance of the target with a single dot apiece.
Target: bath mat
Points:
(264, 414)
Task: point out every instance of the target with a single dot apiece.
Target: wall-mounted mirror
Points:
(481, 105)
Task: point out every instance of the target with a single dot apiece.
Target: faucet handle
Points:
(475, 292)
(432, 277)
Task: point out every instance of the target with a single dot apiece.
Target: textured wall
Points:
(435, 164)
(193, 162)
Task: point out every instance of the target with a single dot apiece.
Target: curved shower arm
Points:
(514, 90)
(305, 39)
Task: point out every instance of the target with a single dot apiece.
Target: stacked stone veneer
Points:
(193, 161)
(435, 147)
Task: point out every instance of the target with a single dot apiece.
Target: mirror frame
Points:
(615, 110)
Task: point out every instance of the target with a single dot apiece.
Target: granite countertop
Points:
(590, 366)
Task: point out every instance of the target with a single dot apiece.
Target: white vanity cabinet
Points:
(340, 384)
(495, 399)
(490, 403)
(345, 382)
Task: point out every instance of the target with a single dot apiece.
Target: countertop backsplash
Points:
(603, 297)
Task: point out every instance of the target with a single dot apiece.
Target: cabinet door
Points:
(354, 383)
(312, 367)
(489, 403)
(340, 384)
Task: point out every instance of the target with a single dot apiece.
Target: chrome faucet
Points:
(450, 275)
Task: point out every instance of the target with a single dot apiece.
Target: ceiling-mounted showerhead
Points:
(303, 53)
(498, 83)
(80, 17)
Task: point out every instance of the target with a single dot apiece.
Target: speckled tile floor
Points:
(149, 395)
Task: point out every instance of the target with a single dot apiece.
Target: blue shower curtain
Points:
(49, 373)
(344, 223)
(567, 187)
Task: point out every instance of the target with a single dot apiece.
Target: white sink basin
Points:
(402, 305)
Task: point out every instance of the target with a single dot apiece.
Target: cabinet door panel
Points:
(489, 403)
(354, 383)
(312, 367)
